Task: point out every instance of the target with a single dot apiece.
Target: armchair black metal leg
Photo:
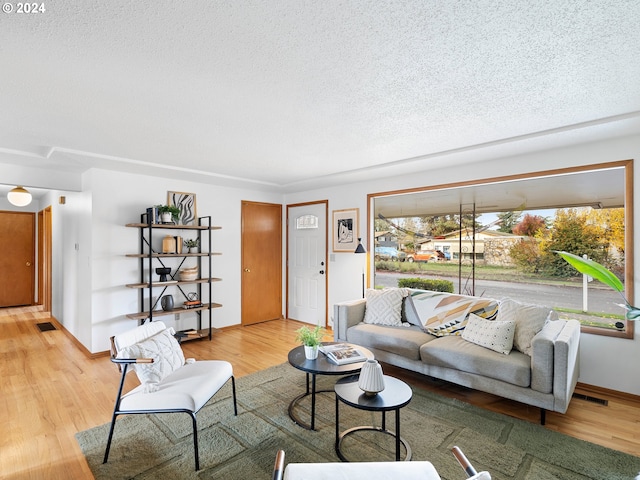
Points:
(195, 440)
(235, 404)
(106, 452)
(543, 416)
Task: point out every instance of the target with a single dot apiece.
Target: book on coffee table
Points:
(342, 353)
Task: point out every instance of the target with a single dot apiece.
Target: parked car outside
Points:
(426, 256)
(389, 253)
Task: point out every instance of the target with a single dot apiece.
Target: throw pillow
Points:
(492, 334)
(441, 314)
(383, 307)
(166, 353)
(529, 321)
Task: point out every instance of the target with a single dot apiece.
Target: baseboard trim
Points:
(77, 342)
(599, 391)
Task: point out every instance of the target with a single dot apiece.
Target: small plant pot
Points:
(311, 353)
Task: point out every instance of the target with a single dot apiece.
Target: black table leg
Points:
(313, 401)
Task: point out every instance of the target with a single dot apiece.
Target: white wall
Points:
(89, 294)
(605, 361)
(118, 199)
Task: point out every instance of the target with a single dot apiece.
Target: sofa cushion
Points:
(384, 306)
(492, 334)
(529, 320)
(456, 353)
(440, 313)
(404, 341)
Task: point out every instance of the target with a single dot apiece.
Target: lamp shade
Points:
(360, 247)
(19, 197)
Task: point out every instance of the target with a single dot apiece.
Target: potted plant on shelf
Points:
(311, 339)
(192, 244)
(601, 273)
(168, 213)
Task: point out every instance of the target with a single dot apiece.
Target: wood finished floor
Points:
(51, 390)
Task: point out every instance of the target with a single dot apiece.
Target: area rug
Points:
(244, 446)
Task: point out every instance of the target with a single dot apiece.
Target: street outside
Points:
(556, 296)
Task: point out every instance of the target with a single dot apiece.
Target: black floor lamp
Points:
(360, 249)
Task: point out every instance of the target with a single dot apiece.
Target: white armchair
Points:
(169, 384)
(420, 470)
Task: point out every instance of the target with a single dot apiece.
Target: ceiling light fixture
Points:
(19, 197)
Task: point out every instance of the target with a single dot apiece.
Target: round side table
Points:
(396, 394)
(319, 366)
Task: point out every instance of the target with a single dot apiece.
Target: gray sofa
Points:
(544, 378)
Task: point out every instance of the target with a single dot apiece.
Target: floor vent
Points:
(591, 399)
(45, 326)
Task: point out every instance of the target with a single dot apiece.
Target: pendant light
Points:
(19, 197)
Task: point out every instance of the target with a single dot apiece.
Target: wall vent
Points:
(591, 399)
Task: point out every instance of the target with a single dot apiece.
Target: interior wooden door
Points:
(261, 262)
(44, 258)
(17, 252)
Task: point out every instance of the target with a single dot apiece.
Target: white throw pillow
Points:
(492, 334)
(383, 307)
(166, 353)
(529, 321)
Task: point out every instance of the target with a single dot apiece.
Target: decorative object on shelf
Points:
(188, 274)
(345, 230)
(371, 380)
(153, 216)
(192, 244)
(167, 302)
(19, 196)
(169, 213)
(163, 272)
(169, 244)
(192, 300)
(178, 244)
(186, 205)
(601, 273)
(311, 339)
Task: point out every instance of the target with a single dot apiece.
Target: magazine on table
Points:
(342, 353)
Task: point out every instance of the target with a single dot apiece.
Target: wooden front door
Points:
(261, 262)
(17, 252)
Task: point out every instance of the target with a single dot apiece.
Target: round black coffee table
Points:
(396, 394)
(319, 366)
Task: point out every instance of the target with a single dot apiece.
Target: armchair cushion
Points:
(166, 353)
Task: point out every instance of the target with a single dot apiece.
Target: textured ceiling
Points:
(288, 94)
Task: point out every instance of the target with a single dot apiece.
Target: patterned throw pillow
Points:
(529, 320)
(166, 353)
(383, 307)
(492, 334)
(441, 314)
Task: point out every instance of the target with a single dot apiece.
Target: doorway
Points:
(307, 262)
(261, 250)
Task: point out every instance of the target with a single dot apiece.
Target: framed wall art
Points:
(345, 230)
(186, 202)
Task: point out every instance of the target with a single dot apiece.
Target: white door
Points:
(307, 263)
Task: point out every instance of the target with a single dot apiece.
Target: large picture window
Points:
(498, 238)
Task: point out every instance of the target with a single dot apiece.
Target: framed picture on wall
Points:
(345, 230)
(186, 202)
